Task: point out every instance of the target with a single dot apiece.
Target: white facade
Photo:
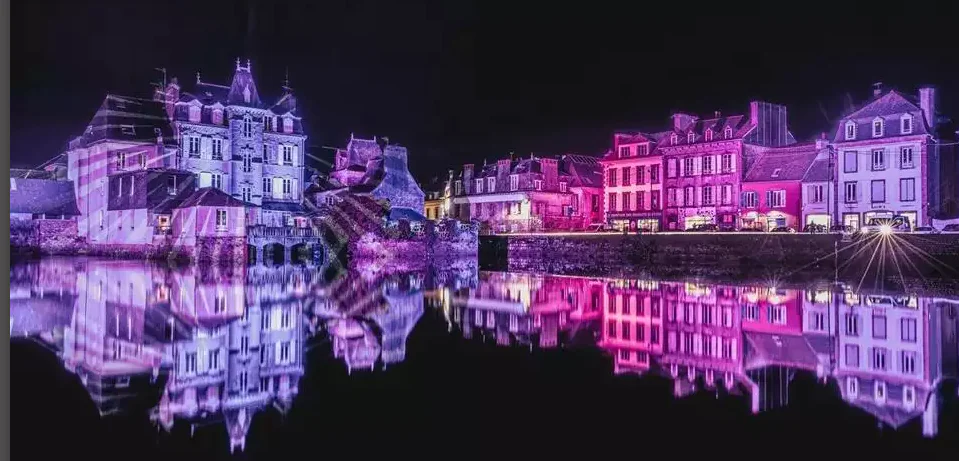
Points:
(880, 179)
(818, 203)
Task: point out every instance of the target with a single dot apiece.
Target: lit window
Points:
(624, 151)
(193, 146)
(709, 135)
(221, 220)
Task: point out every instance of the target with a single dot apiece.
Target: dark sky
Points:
(459, 81)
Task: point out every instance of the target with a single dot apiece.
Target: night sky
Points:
(458, 81)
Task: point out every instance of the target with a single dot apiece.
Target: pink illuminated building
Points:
(633, 177)
(772, 189)
(706, 160)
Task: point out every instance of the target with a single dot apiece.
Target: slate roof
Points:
(820, 170)
(783, 163)
(43, 196)
(585, 171)
(207, 93)
(124, 118)
(739, 124)
(890, 107)
(211, 196)
(779, 350)
(290, 207)
(397, 214)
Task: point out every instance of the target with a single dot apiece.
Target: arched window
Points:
(247, 126)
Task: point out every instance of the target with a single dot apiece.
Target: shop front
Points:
(695, 217)
(819, 219)
(635, 221)
(765, 222)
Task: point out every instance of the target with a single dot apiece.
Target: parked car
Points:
(840, 229)
(784, 230)
(703, 228)
(925, 230)
(815, 229)
(951, 229)
(896, 224)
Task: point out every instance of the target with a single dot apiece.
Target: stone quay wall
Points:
(746, 255)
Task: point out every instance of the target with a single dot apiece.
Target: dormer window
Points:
(709, 135)
(247, 126)
(905, 124)
(246, 94)
(563, 187)
(288, 125)
(877, 127)
(691, 137)
(850, 130)
(194, 114)
(491, 184)
(642, 149)
(776, 172)
(623, 151)
(514, 182)
(217, 116)
(674, 139)
(728, 133)
(269, 123)
(479, 186)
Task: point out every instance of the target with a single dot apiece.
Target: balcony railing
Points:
(267, 231)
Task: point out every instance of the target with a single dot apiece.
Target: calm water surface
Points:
(117, 359)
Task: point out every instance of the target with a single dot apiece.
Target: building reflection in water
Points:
(214, 346)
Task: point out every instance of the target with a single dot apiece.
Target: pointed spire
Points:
(286, 81)
(237, 63)
(248, 66)
(198, 76)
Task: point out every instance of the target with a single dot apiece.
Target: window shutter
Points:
(276, 352)
(296, 154)
(293, 356)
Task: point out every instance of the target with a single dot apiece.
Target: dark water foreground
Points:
(114, 359)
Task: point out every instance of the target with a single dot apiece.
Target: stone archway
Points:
(274, 253)
(301, 253)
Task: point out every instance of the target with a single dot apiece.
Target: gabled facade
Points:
(705, 163)
(633, 178)
(236, 142)
(819, 190)
(889, 159)
(772, 188)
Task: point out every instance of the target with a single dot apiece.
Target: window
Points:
(776, 172)
(217, 116)
(612, 201)
(654, 335)
(750, 312)
(691, 137)
(706, 313)
(626, 178)
(247, 126)
(267, 186)
(244, 345)
(626, 331)
(852, 386)
(689, 196)
(611, 177)
(287, 187)
(624, 151)
(538, 184)
(879, 358)
(689, 313)
(563, 187)
(707, 195)
(687, 343)
(287, 155)
(611, 329)
(905, 158)
(217, 180)
(640, 175)
(777, 315)
(221, 219)
(243, 380)
(905, 124)
(852, 325)
(514, 182)
(908, 327)
(654, 174)
(287, 125)
(671, 196)
(879, 326)
(815, 194)
(727, 163)
(750, 199)
(595, 202)
(285, 352)
(190, 364)
(878, 190)
(626, 201)
(818, 321)
(727, 348)
(877, 127)
(654, 200)
(850, 161)
(726, 191)
(217, 147)
(194, 114)
(688, 167)
(642, 149)
(265, 384)
(674, 139)
(878, 159)
(247, 161)
(479, 186)
(709, 134)
(907, 362)
(852, 193)
(286, 318)
(120, 187)
(776, 198)
(728, 132)
(459, 187)
(246, 193)
(671, 167)
(219, 303)
(490, 184)
(171, 185)
(214, 359)
(850, 130)
(640, 200)
(708, 164)
(879, 391)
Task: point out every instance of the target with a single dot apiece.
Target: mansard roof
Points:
(821, 170)
(211, 196)
(738, 123)
(43, 196)
(890, 107)
(122, 118)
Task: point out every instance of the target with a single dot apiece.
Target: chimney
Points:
(467, 172)
(682, 121)
(876, 89)
(927, 102)
(172, 96)
(821, 143)
(717, 114)
(753, 112)
(502, 167)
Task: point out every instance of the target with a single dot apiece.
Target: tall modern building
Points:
(233, 139)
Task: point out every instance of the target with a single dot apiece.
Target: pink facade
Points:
(766, 212)
(208, 221)
(633, 176)
(632, 324)
(771, 310)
